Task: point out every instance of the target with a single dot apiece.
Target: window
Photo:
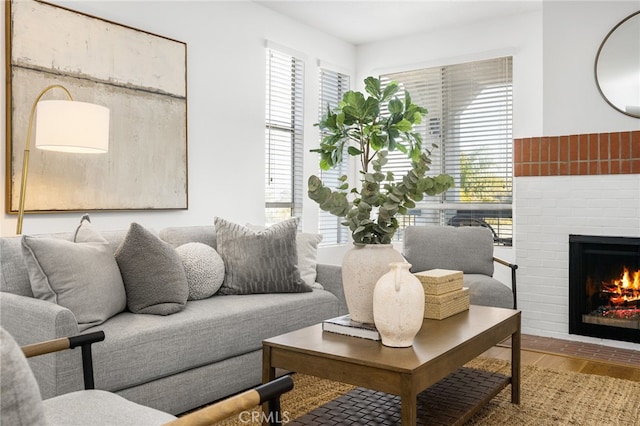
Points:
(333, 86)
(283, 136)
(470, 119)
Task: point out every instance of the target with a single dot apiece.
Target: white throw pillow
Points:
(204, 268)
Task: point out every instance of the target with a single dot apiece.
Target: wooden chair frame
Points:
(268, 393)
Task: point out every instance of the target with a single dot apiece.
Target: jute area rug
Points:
(548, 397)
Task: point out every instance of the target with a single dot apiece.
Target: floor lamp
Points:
(67, 126)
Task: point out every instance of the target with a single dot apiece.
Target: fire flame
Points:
(625, 290)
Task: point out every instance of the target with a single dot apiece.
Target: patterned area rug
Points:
(548, 397)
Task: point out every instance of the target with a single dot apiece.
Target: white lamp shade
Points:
(72, 126)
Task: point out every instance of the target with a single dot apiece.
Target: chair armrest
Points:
(31, 320)
(513, 267)
(267, 393)
(83, 340)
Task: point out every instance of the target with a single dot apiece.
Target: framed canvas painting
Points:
(139, 76)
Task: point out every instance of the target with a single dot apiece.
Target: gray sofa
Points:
(174, 363)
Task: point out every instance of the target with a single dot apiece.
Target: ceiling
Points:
(365, 21)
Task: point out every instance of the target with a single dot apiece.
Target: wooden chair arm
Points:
(513, 267)
(62, 343)
(268, 392)
(83, 340)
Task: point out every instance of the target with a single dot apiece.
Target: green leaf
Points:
(395, 106)
(389, 91)
(379, 177)
(409, 203)
(352, 150)
(377, 141)
(372, 86)
(395, 198)
(403, 125)
(324, 165)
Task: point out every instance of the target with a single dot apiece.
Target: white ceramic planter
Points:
(398, 306)
(362, 266)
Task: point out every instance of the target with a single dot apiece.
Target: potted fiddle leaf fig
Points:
(370, 127)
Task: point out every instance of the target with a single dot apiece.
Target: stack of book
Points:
(444, 295)
(345, 325)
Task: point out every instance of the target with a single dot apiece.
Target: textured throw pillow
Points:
(82, 276)
(152, 272)
(204, 269)
(259, 262)
(307, 248)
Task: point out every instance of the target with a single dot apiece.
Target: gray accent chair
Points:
(21, 402)
(468, 249)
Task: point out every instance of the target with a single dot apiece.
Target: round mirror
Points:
(618, 66)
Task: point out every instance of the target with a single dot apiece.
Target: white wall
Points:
(519, 36)
(226, 92)
(550, 208)
(573, 32)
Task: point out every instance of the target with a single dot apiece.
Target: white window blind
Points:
(283, 136)
(470, 119)
(333, 85)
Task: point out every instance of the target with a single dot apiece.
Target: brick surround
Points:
(586, 184)
(586, 154)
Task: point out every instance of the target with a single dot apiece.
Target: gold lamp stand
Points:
(66, 126)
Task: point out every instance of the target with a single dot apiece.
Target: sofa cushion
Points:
(259, 262)
(100, 408)
(204, 269)
(152, 272)
(487, 291)
(82, 276)
(468, 249)
(206, 331)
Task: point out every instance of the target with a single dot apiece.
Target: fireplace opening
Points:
(604, 287)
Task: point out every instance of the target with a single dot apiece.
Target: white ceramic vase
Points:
(362, 266)
(398, 306)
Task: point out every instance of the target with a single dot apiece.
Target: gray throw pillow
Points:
(153, 274)
(307, 247)
(204, 269)
(259, 262)
(82, 276)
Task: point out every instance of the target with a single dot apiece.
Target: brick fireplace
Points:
(585, 184)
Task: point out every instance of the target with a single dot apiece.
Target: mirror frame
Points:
(595, 68)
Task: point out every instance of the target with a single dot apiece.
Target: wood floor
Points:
(568, 363)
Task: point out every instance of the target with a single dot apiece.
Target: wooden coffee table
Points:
(440, 348)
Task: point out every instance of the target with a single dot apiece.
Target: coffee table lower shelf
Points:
(451, 401)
